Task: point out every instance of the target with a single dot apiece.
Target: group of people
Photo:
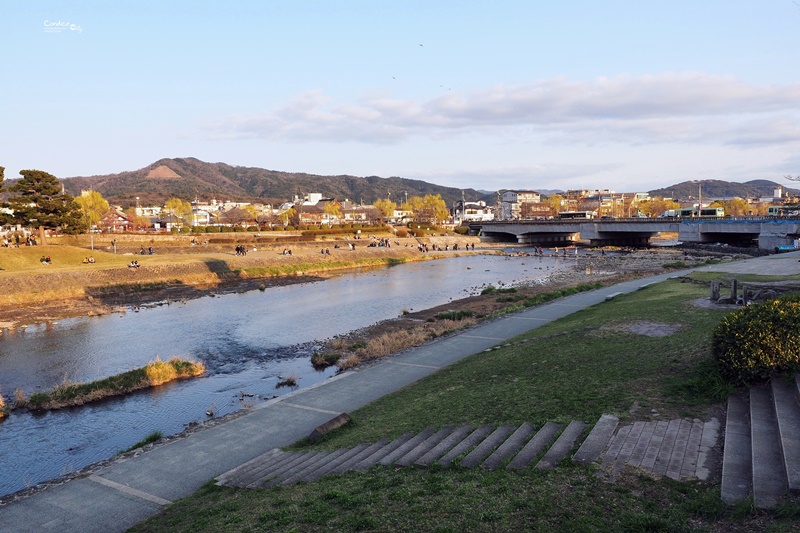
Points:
(133, 264)
(89, 259)
(241, 249)
(45, 260)
(30, 240)
(286, 251)
(148, 251)
(325, 251)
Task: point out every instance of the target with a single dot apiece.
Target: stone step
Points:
(279, 470)
(465, 445)
(405, 447)
(372, 460)
(487, 446)
(668, 443)
(511, 446)
(706, 455)
(769, 477)
(539, 442)
(654, 446)
(347, 465)
(236, 477)
(642, 444)
(261, 472)
(446, 445)
(737, 460)
(562, 445)
(787, 410)
(597, 440)
(306, 466)
(329, 466)
(424, 447)
(689, 466)
(678, 454)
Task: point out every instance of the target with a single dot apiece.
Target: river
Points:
(246, 340)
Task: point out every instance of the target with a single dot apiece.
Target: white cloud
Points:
(666, 108)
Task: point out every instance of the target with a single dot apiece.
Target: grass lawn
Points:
(576, 368)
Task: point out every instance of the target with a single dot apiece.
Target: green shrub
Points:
(212, 229)
(402, 233)
(758, 342)
(491, 289)
(198, 229)
(462, 230)
(185, 229)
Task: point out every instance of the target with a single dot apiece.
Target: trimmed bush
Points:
(461, 230)
(759, 342)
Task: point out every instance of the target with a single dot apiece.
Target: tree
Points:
(431, 208)
(289, 216)
(385, 206)
(37, 200)
(333, 211)
(657, 206)
(179, 209)
(92, 206)
(137, 221)
(737, 207)
(2, 177)
(556, 203)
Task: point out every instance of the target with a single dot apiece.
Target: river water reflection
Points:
(246, 341)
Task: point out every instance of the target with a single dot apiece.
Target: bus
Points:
(576, 215)
(783, 211)
(705, 212)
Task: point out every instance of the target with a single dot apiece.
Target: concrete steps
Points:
(489, 447)
(762, 444)
(680, 449)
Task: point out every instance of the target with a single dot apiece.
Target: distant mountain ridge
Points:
(721, 189)
(189, 177)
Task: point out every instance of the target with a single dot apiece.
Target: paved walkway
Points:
(125, 493)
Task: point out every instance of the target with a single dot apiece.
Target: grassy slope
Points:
(558, 377)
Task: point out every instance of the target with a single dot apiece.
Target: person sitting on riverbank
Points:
(133, 264)
(45, 260)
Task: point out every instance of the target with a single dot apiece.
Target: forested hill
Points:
(721, 189)
(188, 178)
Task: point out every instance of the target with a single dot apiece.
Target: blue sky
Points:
(626, 95)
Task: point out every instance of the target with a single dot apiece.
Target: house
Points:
(511, 203)
(472, 212)
(114, 221)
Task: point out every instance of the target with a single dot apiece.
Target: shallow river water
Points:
(246, 341)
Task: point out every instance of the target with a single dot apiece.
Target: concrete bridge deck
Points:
(768, 233)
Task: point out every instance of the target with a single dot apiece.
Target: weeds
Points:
(152, 437)
(288, 381)
(455, 315)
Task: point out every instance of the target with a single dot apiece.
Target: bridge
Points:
(768, 233)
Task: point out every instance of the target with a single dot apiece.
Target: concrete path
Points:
(125, 493)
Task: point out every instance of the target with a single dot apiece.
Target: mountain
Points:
(721, 189)
(189, 177)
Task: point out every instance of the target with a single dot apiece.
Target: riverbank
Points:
(34, 292)
(585, 272)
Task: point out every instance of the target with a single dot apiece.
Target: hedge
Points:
(759, 342)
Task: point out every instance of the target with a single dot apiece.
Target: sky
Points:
(621, 95)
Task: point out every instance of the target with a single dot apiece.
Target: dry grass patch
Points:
(396, 341)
